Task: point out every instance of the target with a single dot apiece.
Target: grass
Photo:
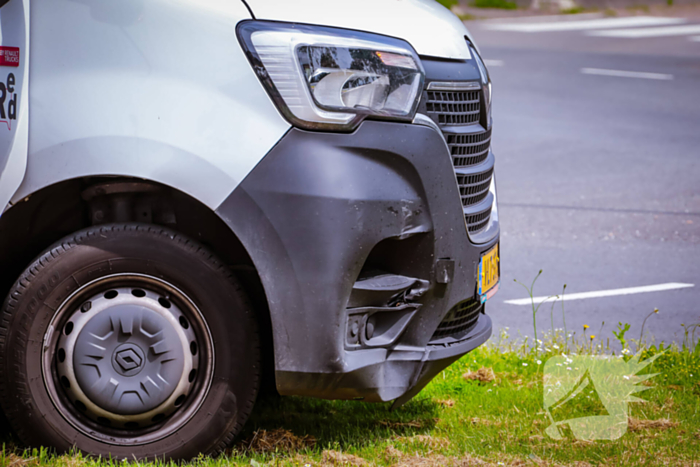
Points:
(502, 4)
(448, 3)
(467, 17)
(486, 409)
(576, 10)
(493, 416)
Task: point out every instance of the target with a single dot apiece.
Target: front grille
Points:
(469, 149)
(461, 318)
(474, 188)
(479, 221)
(454, 107)
(458, 113)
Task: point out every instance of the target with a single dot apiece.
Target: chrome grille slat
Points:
(469, 149)
(479, 221)
(454, 107)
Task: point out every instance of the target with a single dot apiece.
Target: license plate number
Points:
(489, 273)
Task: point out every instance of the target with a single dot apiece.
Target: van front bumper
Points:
(345, 230)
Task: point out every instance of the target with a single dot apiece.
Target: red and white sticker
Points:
(9, 56)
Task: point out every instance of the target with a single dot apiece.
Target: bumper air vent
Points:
(459, 320)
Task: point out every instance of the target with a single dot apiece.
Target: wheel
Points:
(129, 341)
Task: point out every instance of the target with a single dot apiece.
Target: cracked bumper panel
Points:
(335, 224)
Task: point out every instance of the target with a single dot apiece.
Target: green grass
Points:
(503, 4)
(454, 421)
(575, 10)
(448, 3)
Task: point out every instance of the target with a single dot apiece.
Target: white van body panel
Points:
(14, 132)
(428, 26)
(156, 89)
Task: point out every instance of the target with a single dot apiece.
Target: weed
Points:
(620, 334)
(641, 334)
(535, 309)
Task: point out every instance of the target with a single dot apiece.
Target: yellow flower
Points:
(592, 336)
(656, 310)
(585, 326)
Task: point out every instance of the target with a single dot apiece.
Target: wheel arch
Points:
(47, 215)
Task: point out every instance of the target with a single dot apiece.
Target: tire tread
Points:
(54, 253)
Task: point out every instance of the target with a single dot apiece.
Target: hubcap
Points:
(129, 357)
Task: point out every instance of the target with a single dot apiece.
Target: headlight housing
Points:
(331, 79)
(485, 83)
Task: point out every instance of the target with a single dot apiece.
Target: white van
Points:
(200, 195)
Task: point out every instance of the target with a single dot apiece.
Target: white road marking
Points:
(543, 18)
(494, 62)
(604, 23)
(602, 293)
(648, 32)
(625, 74)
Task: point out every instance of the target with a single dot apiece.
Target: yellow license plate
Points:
(489, 273)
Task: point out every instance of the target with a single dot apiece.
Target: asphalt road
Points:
(598, 176)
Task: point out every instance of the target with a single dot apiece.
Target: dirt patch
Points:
(485, 375)
(431, 442)
(483, 421)
(400, 459)
(14, 460)
(635, 424)
(341, 458)
(279, 440)
(410, 424)
(449, 403)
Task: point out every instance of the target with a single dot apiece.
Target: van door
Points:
(14, 121)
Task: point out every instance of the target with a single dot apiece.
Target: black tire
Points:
(40, 417)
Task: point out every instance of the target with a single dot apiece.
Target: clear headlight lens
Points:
(325, 78)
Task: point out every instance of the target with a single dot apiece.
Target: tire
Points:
(103, 278)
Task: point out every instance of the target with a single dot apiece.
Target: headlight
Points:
(485, 83)
(326, 78)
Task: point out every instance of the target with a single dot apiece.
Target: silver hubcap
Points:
(128, 357)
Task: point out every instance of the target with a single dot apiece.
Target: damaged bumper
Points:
(361, 243)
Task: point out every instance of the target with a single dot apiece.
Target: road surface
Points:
(597, 139)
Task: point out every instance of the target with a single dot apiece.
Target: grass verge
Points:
(486, 409)
(502, 4)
